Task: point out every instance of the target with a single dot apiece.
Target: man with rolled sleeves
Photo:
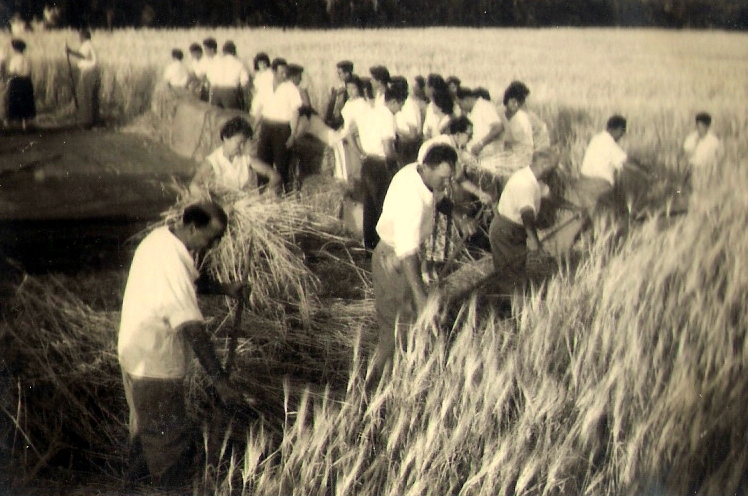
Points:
(407, 219)
(161, 326)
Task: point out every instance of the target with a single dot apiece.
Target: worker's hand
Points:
(235, 290)
(290, 141)
(476, 148)
(230, 395)
(533, 245)
(467, 225)
(484, 197)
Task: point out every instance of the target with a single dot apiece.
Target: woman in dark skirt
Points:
(20, 98)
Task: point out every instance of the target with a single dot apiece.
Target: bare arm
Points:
(201, 177)
(528, 220)
(411, 267)
(266, 171)
(493, 133)
(389, 149)
(294, 124)
(200, 342)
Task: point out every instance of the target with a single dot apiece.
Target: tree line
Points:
(723, 14)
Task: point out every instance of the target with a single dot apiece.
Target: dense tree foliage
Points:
(728, 14)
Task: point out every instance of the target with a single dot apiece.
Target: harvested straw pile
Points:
(262, 246)
(60, 359)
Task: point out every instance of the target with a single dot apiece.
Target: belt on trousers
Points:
(272, 122)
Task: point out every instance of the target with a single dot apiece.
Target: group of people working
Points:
(418, 153)
(16, 83)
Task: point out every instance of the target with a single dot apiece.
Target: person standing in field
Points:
(262, 81)
(196, 55)
(20, 96)
(176, 75)
(407, 216)
(703, 150)
(205, 65)
(278, 112)
(513, 232)
(89, 82)
(518, 144)
(229, 80)
(347, 157)
(230, 167)
(338, 95)
(380, 80)
(161, 326)
(377, 132)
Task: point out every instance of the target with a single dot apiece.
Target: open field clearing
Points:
(625, 376)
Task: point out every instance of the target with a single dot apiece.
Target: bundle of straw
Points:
(61, 358)
(261, 247)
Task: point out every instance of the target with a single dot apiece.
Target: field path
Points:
(80, 194)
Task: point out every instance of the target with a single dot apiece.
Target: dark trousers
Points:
(162, 439)
(271, 148)
(228, 98)
(376, 175)
(509, 251)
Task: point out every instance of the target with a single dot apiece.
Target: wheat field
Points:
(624, 377)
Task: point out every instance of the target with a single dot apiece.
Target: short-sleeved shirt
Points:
(263, 81)
(434, 122)
(352, 111)
(227, 71)
(519, 131)
(522, 192)
(159, 298)
(603, 158)
(176, 74)
(409, 118)
(702, 152)
(374, 128)
(89, 60)
(483, 116)
(236, 174)
(280, 104)
(407, 214)
(19, 65)
(204, 66)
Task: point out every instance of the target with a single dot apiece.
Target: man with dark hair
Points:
(278, 109)
(409, 122)
(377, 132)
(702, 148)
(176, 75)
(338, 95)
(603, 161)
(204, 66)
(407, 219)
(512, 232)
(160, 323)
(229, 80)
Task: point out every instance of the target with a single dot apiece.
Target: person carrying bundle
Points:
(230, 167)
(160, 323)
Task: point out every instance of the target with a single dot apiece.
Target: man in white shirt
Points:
(278, 111)
(702, 148)
(406, 220)
(512, 232)
(160, 323)
(603, 161)
(204, 65)
(229, 80)
(176, 75)
(377, 132)
(409, 123)
(89, 83)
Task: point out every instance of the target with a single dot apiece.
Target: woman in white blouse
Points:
(231, 167)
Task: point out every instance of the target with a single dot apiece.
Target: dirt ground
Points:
(60, 186)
